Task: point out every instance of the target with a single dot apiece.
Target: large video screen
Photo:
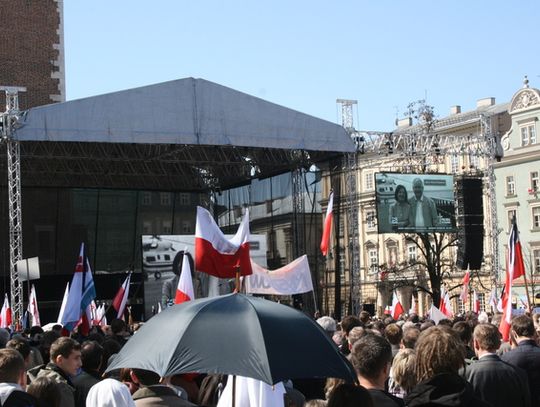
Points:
(415, 203)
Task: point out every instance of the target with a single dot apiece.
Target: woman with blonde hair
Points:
(402, 373)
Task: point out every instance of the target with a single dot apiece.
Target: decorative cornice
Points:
(525, 99)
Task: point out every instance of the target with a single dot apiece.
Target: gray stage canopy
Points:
(188, 135)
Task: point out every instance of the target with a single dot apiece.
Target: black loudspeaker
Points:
(369, 308)
(470, 219)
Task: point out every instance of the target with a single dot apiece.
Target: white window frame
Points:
(535, 217)
(454, 163)
(147, 198)
(186, 227)
(510, 213)
(535, 181)
(184, 198)
(165, 198)
(371, 219)
(528, 134)
(369, 181)
(510, 185)
(166, 227)
(373, 258)
(536, 260)
(412, 253)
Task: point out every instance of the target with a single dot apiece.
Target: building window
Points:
(535, 181)
(373, 260)
(368, 181)
(391, 253)
(147, 198)
(536, 217)
(481, 299)
(411, 253)
(474, 161)
(147, 227)
(184, 198)
(461, 306)
(341, 258)
(528, 135)
(536, 261)
(511, 213)
(454, 163)
(165, 198)
(341, 228)
(167, 227)
(186, 227)
(510, 186)
(371, 219)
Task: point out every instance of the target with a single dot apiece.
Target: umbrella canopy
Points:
(234, 334)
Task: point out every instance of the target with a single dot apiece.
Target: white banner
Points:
(294, 278)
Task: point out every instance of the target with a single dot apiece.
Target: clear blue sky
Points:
(304, 54)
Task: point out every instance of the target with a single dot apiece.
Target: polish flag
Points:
(101, 317)
(397, 309)
(217, 256)
(465, 288)
(514, 269)
(476, 302)
(33, 307)
(63, 306)
(184, 291)
(5, 314)
(327, 230)
(445, 306)
(121, 297)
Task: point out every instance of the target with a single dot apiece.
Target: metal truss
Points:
(9, 122)
(352, 208)
(298, 211)
(152, 166)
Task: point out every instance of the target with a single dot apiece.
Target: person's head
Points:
(464, 330)
(109, 392)
(328, 324)
(66, 354)
(418, 187)
(144, 377)
(364, 317)
(179, 260)
(410, 337)
(487, 338)
(354, 335)
(401, 194)
(393, 333)
(426, 325)
(350, 395)
(118, 327)
(36, 333)
(438, 350)
(348, 323)
(12, 368)
(523, 327)
(91, 355)
(21, 346)
(371, 356)
(316, 403)
(4, 337)
(403, 369)
(45, 390)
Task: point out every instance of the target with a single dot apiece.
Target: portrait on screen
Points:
(415, 203)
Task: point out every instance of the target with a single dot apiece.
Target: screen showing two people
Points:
(415, 203)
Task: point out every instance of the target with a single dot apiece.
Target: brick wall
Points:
(32, 50)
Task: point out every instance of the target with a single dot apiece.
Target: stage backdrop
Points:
(398, 210)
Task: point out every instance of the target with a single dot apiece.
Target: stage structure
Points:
(186, 135)
(417, 148)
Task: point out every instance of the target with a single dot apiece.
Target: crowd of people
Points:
(409, 362)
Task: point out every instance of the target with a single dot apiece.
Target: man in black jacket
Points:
(91, 356)
(493, 380)
(525, 353)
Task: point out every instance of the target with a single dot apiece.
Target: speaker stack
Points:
(470, 219)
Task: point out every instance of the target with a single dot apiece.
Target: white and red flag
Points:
(493, 301)
(327, 229)
(184, 291)
(81, 293)
(514, 269)
(215, 254)
(33, 307)
(445, 306)
(465, 287)
(293, 278)
(63, 306)
(5, 315)
(397, 308)
(121, 297)
(476, 302)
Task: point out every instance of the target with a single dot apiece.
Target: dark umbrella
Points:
(234, 334)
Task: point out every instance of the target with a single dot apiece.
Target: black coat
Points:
(527, 356)
(447, 389)
(498, 382)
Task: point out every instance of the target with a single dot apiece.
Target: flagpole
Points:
(527, 292)
(237, 279)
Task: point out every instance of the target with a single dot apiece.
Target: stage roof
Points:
(188, 134)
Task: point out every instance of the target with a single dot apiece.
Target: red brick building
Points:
(32, 50)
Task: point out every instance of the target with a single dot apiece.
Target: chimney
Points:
(406, 122)
(455, 109)
(486, 102)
